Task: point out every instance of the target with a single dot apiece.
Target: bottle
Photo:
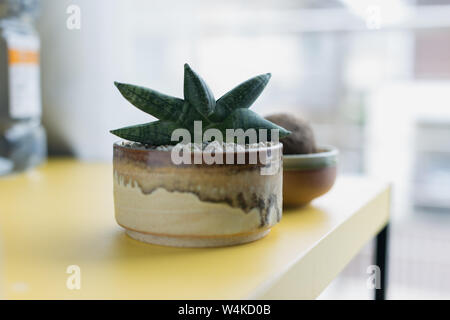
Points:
(22, 137)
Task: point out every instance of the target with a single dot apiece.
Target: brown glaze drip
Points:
(256, 202)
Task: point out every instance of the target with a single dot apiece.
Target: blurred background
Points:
(372, 77)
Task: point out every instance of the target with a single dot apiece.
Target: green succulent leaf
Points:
(246, 119)
(154, 133)
(197, 92)
(242, 96)
(159, 105)
(189, 115)
(229, 112)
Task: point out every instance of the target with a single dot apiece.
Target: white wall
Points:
(147, 42)
(78, 68)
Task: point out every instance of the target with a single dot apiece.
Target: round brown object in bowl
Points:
(308, 176)
(301, 140)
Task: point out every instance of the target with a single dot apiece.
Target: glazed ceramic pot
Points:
(308, 176)
(195, 205)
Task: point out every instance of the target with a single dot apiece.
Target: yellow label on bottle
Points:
(24, 76)
(18, 56)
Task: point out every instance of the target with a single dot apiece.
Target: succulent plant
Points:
(231, 111)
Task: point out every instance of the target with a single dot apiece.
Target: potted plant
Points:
(197, 202)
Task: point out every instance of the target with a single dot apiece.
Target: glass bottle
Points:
(22, 137)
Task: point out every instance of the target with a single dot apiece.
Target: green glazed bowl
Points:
(308, 176)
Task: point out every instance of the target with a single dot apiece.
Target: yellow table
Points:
(61, 215)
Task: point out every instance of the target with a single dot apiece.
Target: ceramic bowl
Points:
(308, 176)
(194, 205)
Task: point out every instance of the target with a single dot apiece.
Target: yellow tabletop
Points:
(61, 215)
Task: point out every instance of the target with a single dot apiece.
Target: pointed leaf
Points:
(159, 105)
(197, 92)
(247, 119)
(153, 133)
(243, 96)
(189, 115)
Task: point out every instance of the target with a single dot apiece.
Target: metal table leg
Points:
(381, 251)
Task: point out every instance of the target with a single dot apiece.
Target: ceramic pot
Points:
(308, 176)
(195, 205)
